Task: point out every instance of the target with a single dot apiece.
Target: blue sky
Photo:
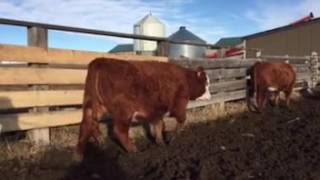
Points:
(209, 19)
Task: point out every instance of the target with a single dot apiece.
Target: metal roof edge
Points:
(281, 28)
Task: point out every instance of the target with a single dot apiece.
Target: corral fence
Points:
(42, 87)
(228, 77)
(309, 65)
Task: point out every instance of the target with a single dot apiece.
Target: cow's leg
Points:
(180, 113)
(277, 98)
(258, 98)
(252, 102)
(97, 113)
(274, 100)
(123, 114)
(261, 98)
(264, 99)
(97, 135)
(85, 129)
(121, 130)
(287, 96)
(157, 132)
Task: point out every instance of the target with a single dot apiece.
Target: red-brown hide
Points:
(136, 91)
(270, 79)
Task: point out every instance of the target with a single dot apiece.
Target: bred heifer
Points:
(137, 91)
(270, 79)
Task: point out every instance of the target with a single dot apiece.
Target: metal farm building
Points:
(296, 39)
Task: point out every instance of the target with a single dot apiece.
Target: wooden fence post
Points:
(314, 68)
(221, 107)
(258, 55)
(163, 48)
(287, 59)
(39, 37)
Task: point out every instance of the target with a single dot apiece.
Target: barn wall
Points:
(297, 41)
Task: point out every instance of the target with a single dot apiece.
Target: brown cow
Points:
(132, 91)
(270, 79)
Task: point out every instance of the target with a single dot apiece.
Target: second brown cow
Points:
(133, 91)
(268, 80)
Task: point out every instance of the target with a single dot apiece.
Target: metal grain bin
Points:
(149, 26)
(184, 50)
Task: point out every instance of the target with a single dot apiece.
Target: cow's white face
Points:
(206, 95)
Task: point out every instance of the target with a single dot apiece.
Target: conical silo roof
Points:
(148, 19)
(183, 35)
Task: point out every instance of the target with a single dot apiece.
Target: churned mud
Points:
(278, 144)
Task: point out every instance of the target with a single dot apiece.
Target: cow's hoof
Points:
(132, 149)
(99, 141)
(173, 138)
(160, 142)
(272, 104)
(77, 157)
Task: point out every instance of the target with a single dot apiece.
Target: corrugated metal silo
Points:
(150, 26)
(184, 50)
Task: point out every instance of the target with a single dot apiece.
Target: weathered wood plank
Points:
(18, 99)
(233, 63)
(61, 56)
(291, 61)
(24, 75)
(26, 121)
(218, 98)
(16, 122)
(215, 74)
(302, 68)
(286, 57)
(228, 85)
(21, 99)
(21, 122)
(231, 85)
(303, 76)
(215, 64)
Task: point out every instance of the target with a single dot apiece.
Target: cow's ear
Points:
(200, 71)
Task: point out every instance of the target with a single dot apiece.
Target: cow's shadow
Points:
(97, 163)
(8, 129)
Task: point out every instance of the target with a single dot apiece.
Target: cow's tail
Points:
(89, 86)
(88, 123)
(252, 87)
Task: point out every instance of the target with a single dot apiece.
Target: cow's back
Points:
(279, 75)
(145, 84)
(109, 73)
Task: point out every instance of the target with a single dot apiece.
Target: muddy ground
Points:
(278, 144)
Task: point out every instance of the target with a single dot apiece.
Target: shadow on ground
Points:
(278, 144)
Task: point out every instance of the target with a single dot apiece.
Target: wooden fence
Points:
(228, 76)
(42, 87)
(64, 76)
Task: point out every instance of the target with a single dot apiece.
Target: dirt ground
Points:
(278, 144)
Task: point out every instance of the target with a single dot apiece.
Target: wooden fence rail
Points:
(26, 54)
